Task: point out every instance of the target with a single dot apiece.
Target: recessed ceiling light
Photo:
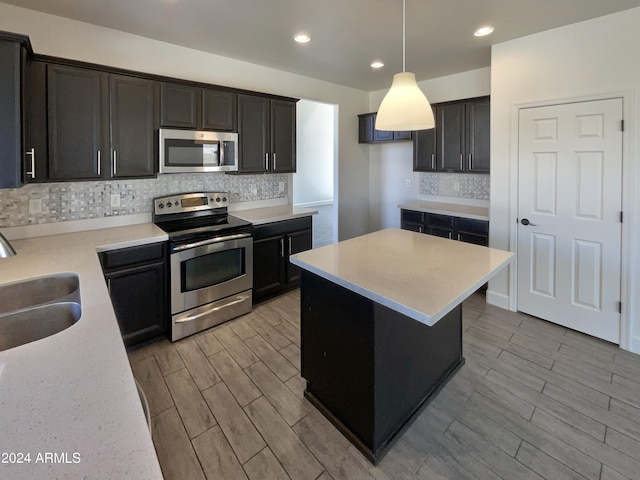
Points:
(302, 38)
(484, 31)
(377, 64)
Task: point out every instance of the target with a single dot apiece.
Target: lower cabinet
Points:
(273, 274)
(137, 281)
(467, 230)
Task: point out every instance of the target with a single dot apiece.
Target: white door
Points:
(569, 204)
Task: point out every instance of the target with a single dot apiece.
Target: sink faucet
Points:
(6, 250)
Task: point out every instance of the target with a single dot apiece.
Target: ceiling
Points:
(347, 35)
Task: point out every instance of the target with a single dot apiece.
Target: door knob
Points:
(525, 221)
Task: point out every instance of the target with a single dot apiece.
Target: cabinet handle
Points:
(470, 162)
(282, 247)
(109, 285)
(458, 237)
(289, 245)
(33, 163)
(450, 235)
(274, 161)
(115, 163)
(266, 161)
(419, 229)
(99, 163)
(461, 161)
(433, 161)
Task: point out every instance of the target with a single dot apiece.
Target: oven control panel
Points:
(190, 202)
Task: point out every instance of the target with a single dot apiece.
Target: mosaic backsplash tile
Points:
(60, 202)
(475, 186)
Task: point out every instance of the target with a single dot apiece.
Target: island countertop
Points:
(421, 276)
(74, 392)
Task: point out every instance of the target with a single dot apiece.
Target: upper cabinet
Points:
(13, 63)
(368, 134)
(186, 106)
(267, 135)
(460, 140)
(100, 125)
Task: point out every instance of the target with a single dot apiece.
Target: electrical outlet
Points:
(254, 189)
(407, 183)
(280, 187)
(115, 199)
(456, 186)
(35, 206)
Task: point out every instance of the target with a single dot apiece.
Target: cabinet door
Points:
(472, 231)
(424, 150)
(139, 301)
(10, 115)
(179, 105)
(382, 135)
(296, 242)
(219, 110)
(365, 127)
(132, 132)
(268, 267)
(74, 116)
(253, 132)
(451, 137)
(478, 134)
(283, 136)
(402, 135)
(36, 166)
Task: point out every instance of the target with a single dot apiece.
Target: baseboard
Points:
(498, 299)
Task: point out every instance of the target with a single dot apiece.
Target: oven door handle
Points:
(211, 241)
(190, 318)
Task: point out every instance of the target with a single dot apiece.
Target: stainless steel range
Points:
(211, 260)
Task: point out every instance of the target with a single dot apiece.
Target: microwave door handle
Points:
(211, 241)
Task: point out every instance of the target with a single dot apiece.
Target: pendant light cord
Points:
(404, 33)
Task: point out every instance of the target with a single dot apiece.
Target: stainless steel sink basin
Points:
(31, 324)
(37, 308)
(60, 287)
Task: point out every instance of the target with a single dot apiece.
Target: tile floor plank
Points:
(234, 378)
(167, 356)
(193, 410)
(216, 456)
(175, 452)
(238, 429)
(294, 456)
(235, 346)
(201, 370)
(208, 342)
(265, 466)
(545, 465)
(272, 358)
(152, 382)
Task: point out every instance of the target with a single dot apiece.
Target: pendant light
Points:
(404, 107)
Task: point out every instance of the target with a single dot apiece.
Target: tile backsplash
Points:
(459, 185)
(59, 202)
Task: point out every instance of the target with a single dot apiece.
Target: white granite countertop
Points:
(456, 210)
(260, 216)
(74, 392)
(421, 276)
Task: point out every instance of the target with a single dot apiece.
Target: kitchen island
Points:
(381, 327)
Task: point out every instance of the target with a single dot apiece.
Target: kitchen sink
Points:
(31, 324)
(60, 287)
(37, 308)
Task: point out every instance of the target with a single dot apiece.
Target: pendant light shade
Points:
(404, 107)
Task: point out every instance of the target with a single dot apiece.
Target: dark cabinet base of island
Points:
(370, 369)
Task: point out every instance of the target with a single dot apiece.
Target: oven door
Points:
(209, 270)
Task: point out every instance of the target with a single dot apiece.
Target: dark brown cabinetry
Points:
(467, 230)
(137, 282)
(272, 244)
(267, 135)
(13, 65)
(368, 134)
(99, 125)
(186, 106)
(460, 140)
(36, 159)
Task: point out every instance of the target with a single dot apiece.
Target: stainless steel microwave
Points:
(187, 151)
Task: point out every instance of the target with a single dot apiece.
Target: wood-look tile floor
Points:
(533, 401)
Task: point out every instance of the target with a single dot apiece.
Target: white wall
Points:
(66, 38)
(391, 164)
(593, 58)
(313, 181)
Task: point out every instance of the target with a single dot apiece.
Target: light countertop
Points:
(456, 210)
(74, 392)
(421, 276)
(260, 216)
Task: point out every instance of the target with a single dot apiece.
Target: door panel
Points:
(570, 177)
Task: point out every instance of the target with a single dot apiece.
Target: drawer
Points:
(441, 221)
(469, 225)
(282, 227)
(411, 216)
(125, 257)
